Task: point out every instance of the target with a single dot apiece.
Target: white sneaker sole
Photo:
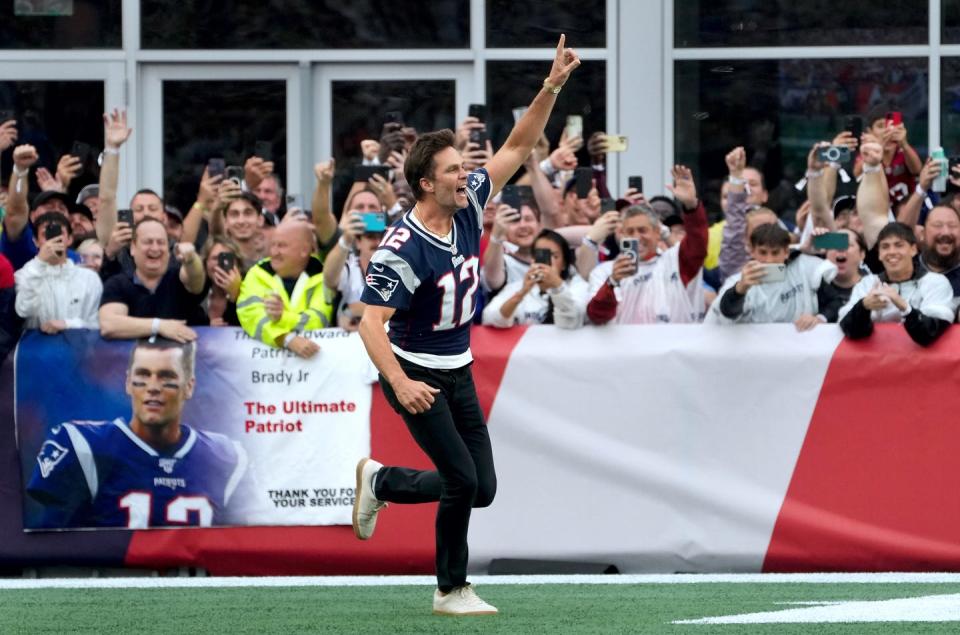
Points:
(471, 614)
(356, 499)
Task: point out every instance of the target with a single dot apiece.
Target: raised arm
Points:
(18, 210)
(192, 274)
(693, 248)
(115, 134)
(873, 195)
(325, 223)
(527, 131)
(820, 176)
(909, 211)
(202, 208)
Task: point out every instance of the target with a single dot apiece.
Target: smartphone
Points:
(510, 195)
(834, 154)
(374, 222)
(82, 151)
(636, 182)
(615, 143)
(479, 111)
(479, 136)
(233, 173)
(363, 173)
(574, 126)
(774, 273)
(52, 230)
(953, 162)
(216, 167)
(854, 124)
(543, 256)
(393, 116)
(264, 150)
(584, 181)
(227, 260)
(125, 216)
(7, 114)
(630, 247)
(607, 205)
(894, 118)
(833, 240)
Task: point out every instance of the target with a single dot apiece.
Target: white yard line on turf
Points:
(430, 581)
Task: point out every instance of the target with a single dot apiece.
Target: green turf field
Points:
(537, 608)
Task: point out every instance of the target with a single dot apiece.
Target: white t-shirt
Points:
(782, 301)
(655, 293)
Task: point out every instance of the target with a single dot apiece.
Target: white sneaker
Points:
(461, 601)
(365, 503)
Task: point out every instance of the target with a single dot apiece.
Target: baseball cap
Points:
(173, 212)
(80, 208)
(89, 191)
(843, 203)
(46, 197)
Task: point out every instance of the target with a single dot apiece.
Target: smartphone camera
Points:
(834, 154)
(543, 257)
(234, 173)
(125, 216)
(630, 247)
(226, 260)
(374, 222)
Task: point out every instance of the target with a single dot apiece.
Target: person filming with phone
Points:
(551, 292)
(644, 285)
(775, 286)
(53, 293)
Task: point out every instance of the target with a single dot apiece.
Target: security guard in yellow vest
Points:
(283, 296)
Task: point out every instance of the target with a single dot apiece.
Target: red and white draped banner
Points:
(654, 448)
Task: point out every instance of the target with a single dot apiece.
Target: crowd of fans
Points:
(558, 248)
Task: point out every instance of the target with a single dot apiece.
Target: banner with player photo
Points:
(265, 438)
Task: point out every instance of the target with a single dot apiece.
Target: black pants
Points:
(452, 433)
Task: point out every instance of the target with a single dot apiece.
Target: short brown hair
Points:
(770, 235)
(420, 164)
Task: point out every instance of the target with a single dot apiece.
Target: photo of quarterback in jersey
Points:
(151, 471)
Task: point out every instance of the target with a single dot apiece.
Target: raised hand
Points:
(683, 188)
(115, 129)
(564, 62)
(324, 171)
(736, 161)
(8, 134)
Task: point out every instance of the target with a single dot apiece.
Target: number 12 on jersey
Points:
(450, 283)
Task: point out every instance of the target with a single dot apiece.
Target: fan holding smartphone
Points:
(53, 293)
(901, 162)
(775, 286)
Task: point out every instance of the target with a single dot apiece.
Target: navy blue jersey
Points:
(101, 474)
(431, 283)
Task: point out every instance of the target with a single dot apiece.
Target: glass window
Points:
(358, 113)
(950, 105)
(45, 24)
(318, 24)
(51, 116)
(514, 84)
(699, 23)
(525, 24)
(951, 21)
(204, 119)
(778, 109)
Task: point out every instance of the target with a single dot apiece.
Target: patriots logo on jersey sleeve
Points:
(475, 180)
(50, 454)
(382, 284)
